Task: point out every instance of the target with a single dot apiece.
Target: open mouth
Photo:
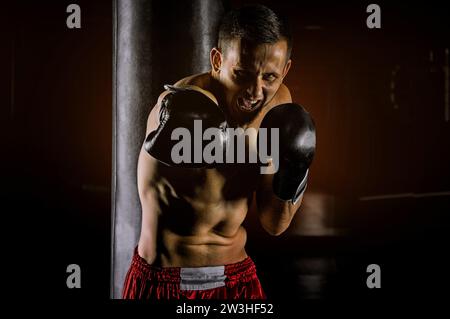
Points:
(247, 105)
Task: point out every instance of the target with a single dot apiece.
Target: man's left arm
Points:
(274, 214)
(280, 195)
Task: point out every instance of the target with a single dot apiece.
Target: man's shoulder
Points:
(202, 80)
(282, 96)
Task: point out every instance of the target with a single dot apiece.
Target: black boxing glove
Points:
(180, 109)
(297, 144)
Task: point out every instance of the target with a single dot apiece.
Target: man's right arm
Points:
(147, 191)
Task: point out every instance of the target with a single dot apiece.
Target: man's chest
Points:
(224, 183)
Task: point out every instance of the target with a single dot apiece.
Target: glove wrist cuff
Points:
(300, 189)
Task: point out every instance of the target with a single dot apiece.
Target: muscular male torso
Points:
(193, 217)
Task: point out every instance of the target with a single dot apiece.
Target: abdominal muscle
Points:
(196, 227)
(198, 250)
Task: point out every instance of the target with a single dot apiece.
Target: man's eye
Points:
(240, 74)
(270, 77)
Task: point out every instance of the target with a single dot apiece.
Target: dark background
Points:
(56, 116)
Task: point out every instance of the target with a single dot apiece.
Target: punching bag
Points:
(155, 43)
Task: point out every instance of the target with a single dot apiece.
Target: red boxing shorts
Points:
(233, 281)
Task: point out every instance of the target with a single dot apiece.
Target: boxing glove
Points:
(296, 148)
(187, 113)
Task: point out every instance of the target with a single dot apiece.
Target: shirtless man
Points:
(192, 242)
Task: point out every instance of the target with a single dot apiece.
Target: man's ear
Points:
(287, 66)
(215, 58)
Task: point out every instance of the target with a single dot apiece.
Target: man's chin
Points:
(244, 115)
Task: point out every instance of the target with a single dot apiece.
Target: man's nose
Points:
(255, 91)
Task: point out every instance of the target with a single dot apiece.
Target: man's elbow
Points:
(274, 228)
(274, 232)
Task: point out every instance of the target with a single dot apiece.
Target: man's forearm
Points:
(274, 214)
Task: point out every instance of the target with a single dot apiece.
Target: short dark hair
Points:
(256, 24)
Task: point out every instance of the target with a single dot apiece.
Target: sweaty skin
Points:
(193, 217)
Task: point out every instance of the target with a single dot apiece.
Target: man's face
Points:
(251, 75)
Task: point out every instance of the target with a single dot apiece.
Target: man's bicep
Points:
(146, 175)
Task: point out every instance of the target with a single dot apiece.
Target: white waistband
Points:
(201, 278)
